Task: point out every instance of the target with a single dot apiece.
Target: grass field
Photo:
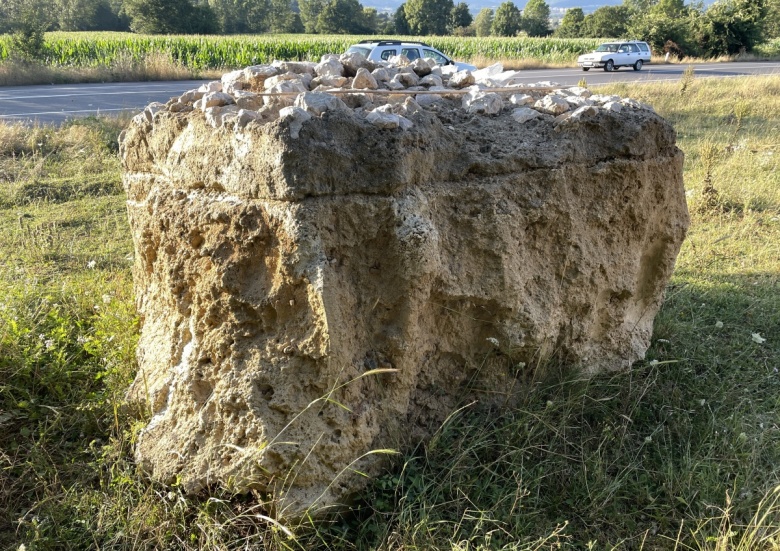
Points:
(679, 453)
(111, 56)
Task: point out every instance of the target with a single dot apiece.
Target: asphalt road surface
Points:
(54, 104)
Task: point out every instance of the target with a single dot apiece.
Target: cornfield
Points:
(218, 52)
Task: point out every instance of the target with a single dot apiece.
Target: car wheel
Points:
(609, 66)
(586, 68)
(638, 65)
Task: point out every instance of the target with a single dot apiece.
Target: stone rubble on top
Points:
(300, 90)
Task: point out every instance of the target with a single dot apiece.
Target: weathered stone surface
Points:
(216, 116)
(285, 87)
(383, 74)
(364, 80)
(406, 78)
(295, 117)
(429, 99)
(233, 81)
(302, 67)
(329, 82)
(256, 75)
(285, 269)
(385, 118)
(554, 105)
(422, 67)
(521, 99)
(216, 99)
(461, 79)
(317, 102)
(273, 81)
(248, 100)
(431, 80)
(353, 62)
(330, 66)
(477, 101)
(213, 86)
(525, 114)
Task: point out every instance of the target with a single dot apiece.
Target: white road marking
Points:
(90, 92)
(96, 111)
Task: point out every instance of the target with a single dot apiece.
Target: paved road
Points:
(58, 103)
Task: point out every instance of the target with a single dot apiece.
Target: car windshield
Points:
(362, 50)
(607, 48)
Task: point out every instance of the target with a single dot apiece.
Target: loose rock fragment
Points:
(521, 99)
(383, 119)
(488, 103)
(525, 114)
(461, 79)
(296, 117)
(353, 62)
(216, 99)
(330, 66)
(554, 105)
(317, 103)
(364, 80)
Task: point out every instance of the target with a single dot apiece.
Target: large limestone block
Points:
(309, 297)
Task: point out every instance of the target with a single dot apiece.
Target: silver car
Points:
(613, 55)
(382, 50)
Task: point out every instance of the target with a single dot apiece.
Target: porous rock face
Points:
(311, 294)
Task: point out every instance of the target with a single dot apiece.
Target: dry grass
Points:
(125, 69)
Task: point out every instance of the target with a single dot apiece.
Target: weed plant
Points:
(679, 453)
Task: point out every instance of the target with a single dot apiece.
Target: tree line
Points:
(725, 27)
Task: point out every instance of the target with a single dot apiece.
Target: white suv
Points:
(383, 50)
(611, 55)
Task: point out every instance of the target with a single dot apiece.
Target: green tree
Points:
(639, 6)
(77, 15)
(384, 23)
(342, 17)
(571, 24)
(428, 17)
(607, 22)
(483, 24)
(536, 18)
(169, 17)
(460, 16)
(657, 29)
(27, 22)
(400, 22)
(310, 12)
(241, 16)
(669, 8)
(370, 20)
(732, 26)
(772, 21)
(282, 18)
(507, 20)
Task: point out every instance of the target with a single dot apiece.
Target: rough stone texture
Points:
(364, 80)
(316, 287)
(524, 114)
(462, 79)
(477, 101)
(553, 105)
